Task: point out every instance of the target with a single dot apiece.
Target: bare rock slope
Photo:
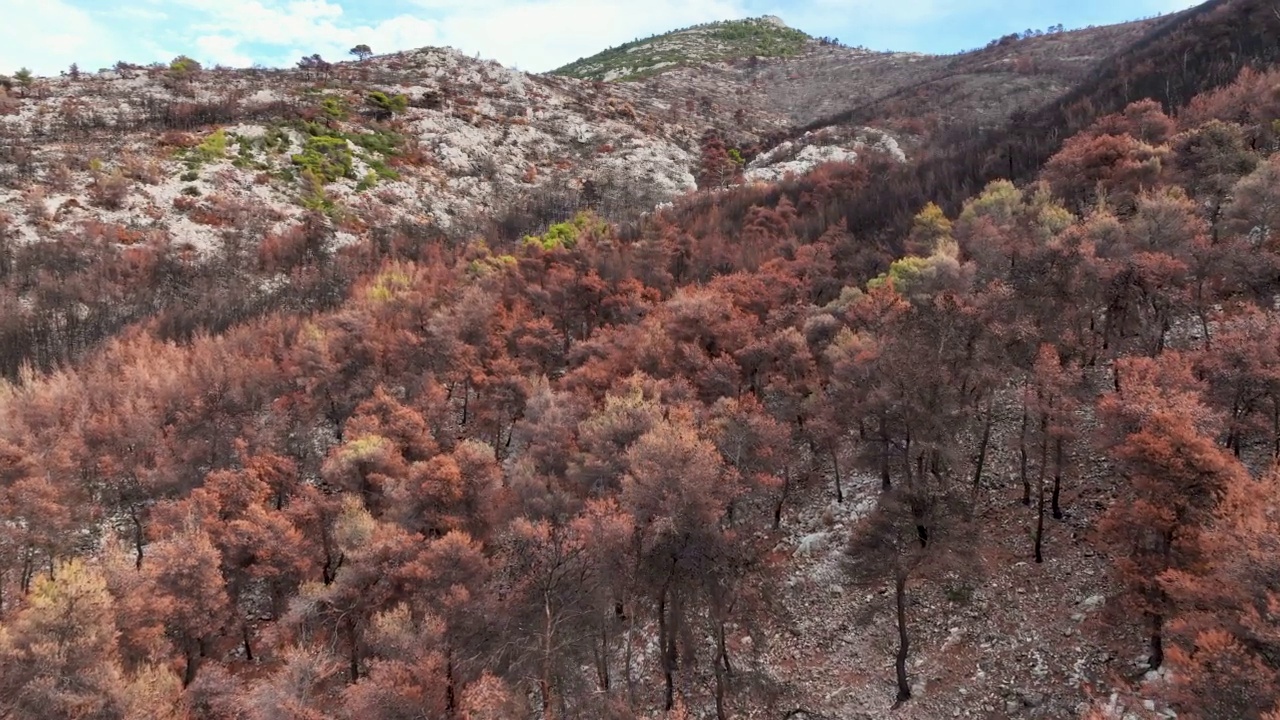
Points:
(428, 136)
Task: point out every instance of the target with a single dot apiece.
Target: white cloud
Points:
(48, 35)
(243, 31)
(894, 12)
(538, 35)
(532, 34)
(221, 50)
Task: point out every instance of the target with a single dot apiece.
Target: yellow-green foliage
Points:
(363, 448)
(383, 106)
(183, 65)
(388, 285)
(214, 147)
(334, 106)
(327, 157)
(1051, 217)
(369, 180)
(917, 278)
(849, 295)
(488, 264)
(566, 234)
(930, 227)
(312, 332)
(1000, 201)
(313, 195)
(72, 608)
(354, 526)
(902, 272)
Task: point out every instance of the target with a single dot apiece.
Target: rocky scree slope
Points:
(430, 137)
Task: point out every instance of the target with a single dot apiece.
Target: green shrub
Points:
(369, 180)
(190, 176)
(183, 65)
(213, 147)
(191, 191)
(313, 195)
(383, 107)
(388, 285)
(334, 106)
(481, 267)
(566, 234)
(246, 159)
(274, 140)
(379, 141)
(24, 78)
(327, 158)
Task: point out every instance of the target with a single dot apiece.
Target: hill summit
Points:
(766, 36)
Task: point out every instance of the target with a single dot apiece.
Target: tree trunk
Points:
(544, 683)
(835, 464)
(626, 669)
(137, 538)
(244, 637)
(193, 661)
(904, 643)
(450, 695)
(722, 673)
(1057, 479)
(1157, 642)
(602, 659)
(1275, 426)
(353, 658)
(28, 571)
(782, 497)
(982, 449)
(885, 481)
(1044, 460)
(466, 399)
(1022, 459)
(667, 647)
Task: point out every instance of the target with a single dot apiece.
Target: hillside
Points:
(753, 38)
(820, 80)
(419, 387)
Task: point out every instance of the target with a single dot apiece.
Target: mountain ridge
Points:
(723, 40)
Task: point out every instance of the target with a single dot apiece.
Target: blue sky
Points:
(535, 35)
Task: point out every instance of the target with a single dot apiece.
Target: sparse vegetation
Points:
(326, 158)
(334, 107)
(729, 40)
(213, 147)
(565, 235)
(25, 80)
(184, 67)
(109, 190)
(383, 107)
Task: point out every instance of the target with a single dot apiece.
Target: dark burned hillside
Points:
(1178, 58)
